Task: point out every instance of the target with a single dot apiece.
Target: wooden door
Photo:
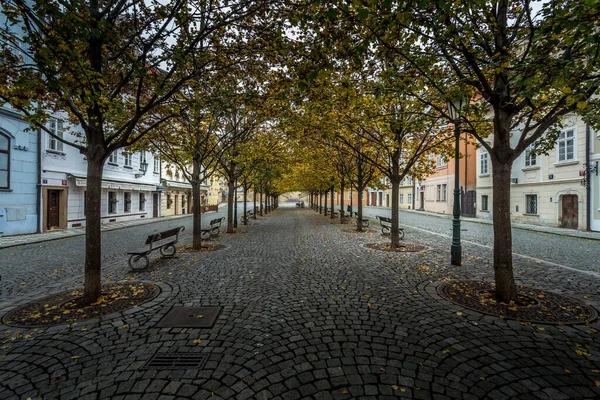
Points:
(155, 205)
(53, 220)
(422, 200)
(570, 211)
(176, 204)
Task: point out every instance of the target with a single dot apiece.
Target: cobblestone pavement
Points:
(574, 252)
(308, 312)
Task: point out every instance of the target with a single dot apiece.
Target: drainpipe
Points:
(39, 181)
(588, 176)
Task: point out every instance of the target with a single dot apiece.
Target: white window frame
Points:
(562, 143)
(484, 163)
(409, 198)
(485, 203)
(6, 153)
(57, 128)
(113, 158)
(440, 161)
(530, 156)
(444, 192)
(143, 158)
(439, 192)
(401, 198)
(128, 160)
(156, 164)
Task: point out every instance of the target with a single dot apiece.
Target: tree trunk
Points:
(503, 269)
(320, 202)
(92, 289)
(230, 199)
(197, 217)
(254, 211)
(332, 216)
(342, 201)
(395, 179)
(261, 203)
(326, 195)
(359, 226)
(245, 210)
(235, 207)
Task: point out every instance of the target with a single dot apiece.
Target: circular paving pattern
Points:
(404, 247)
(65, 308)
(536, 306)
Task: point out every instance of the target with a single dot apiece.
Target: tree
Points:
(113, 67)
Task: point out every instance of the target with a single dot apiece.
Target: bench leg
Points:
(138, 262)
(168, 250)
(385, 230)
(401, 233)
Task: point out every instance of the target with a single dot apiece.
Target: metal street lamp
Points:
(454, 108)
(143, 168)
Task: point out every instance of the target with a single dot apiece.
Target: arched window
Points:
(4, 161)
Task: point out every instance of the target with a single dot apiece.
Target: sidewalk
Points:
(515, 225)
(18, 240)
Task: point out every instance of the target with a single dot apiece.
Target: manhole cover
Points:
(190, 317)
(176, 361)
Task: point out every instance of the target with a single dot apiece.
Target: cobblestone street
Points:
(307, 312)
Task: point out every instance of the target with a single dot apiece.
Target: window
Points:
(409, 198)
(143, 159)
(114, 157)
(128, 161)
(566, 145)
(439, 192)
(409, 180)
(142, 201)
(401, 198)
(483, 163)
(444, 192)
(56, 127)
(156, 164)
(169, 201)
(531, 203)
(530, 156)
(4, 161)
(484, 203)
(441, 161)
(349, 195)
(127, 201)
(112, 202)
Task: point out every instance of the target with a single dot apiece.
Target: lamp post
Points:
(143, 168)
(454, 107)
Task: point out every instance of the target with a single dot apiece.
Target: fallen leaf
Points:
(197, 341)
(458, 313)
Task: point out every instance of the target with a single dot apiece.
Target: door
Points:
(155, 205)
(468, 199)
(570, 211)
(176, 204)
(422, 200)
(53, 220)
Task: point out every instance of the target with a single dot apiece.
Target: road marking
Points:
(591, 273)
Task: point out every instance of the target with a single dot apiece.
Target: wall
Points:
(18, 203)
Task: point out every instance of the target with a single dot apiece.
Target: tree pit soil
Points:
(404, 247)
(188, 248)
(66, 307)
(533, 305)
(365, 230)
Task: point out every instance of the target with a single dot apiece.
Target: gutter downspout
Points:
(39, 181)
(588, 189)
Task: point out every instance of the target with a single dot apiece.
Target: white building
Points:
(545, 190)
(129, 189)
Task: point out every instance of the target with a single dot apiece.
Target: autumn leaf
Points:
(395, 387)
(197, 341)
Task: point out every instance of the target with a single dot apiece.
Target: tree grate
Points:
(176, 361)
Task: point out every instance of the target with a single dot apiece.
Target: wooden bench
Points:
(386, 226)
(246, 218)
(365, 221)
(163, 241)
(214, 229)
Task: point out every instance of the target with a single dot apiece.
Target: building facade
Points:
(434, 193)
(593, 179)
(546, 189)
(129, 183)
(19, 175)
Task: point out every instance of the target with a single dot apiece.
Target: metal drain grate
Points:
(190, 317)
(176, 361)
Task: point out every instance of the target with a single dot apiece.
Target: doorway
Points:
(570, 211)
(176, 204)
(53, 210)
(155, 205)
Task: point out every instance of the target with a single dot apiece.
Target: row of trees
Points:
(301, 95)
